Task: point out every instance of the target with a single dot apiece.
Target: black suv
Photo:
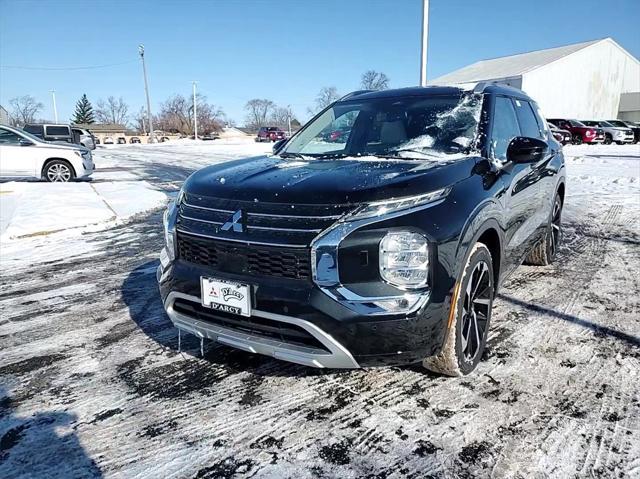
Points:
(386, 246)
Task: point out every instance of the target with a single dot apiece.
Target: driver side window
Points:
(505, 127)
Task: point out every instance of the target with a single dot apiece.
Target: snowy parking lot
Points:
(92, 383)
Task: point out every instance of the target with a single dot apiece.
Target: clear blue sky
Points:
(283, 50)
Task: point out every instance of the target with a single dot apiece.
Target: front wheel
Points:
(470, 318)
(608, 139)
(546, 250)
(576, 140)
(58, 171)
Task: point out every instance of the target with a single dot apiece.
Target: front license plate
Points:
(226, 296)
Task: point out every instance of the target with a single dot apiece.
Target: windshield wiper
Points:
(291, 155)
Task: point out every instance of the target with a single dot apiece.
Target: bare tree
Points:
(373, 80)
(140, 121)
(326, 97)
(176, 114)
(24, 109)
(280, 117)
(113, 111)
(258, 111)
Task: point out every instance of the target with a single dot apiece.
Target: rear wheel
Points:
(58, 171)
(469, 324)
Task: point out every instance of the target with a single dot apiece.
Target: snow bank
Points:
(45, 208)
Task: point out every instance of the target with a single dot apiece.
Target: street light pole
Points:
(425, 37)
(195, 113)
(146, 91)
(289, 119)
(55, 108)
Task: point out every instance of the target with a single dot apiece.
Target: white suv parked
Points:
(24, 155)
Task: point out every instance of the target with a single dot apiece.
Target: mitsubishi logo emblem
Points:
(235, 223)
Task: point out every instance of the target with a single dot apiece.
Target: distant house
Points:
(4, 115)
(106, 129)
(591, 80)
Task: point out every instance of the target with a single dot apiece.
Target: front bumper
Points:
(342, 338)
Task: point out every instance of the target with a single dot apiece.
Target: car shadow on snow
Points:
(140, 294)
(594, 327)
(33, 446)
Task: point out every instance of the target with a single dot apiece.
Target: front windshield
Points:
(618, 123)
(407, 127)
(576, 123)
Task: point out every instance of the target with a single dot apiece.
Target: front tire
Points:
(577, 139)
(544, 253)
(470, 319)
(58, 171)
(608, 139)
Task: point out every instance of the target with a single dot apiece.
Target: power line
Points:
(93, 67)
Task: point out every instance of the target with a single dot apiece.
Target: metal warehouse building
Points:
(591, 80)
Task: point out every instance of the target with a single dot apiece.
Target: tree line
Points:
(176, 113)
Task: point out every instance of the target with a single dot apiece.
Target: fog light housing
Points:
(404, 259)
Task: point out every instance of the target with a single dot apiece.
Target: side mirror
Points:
(523, 149)
(277, 145)
(25, 142)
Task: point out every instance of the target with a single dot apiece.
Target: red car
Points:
(270, 133)
(580, 132)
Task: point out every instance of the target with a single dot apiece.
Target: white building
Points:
(591, 80)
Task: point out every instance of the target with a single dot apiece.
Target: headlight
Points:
(378, 208)
(404, 259)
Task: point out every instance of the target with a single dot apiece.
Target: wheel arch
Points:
(483, 228)
(49, 160)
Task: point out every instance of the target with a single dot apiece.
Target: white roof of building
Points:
(511, 66)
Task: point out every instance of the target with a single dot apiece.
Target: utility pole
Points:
(425, 37)
(55, 108)
(195, 113)
(146, 90)
(289, 118)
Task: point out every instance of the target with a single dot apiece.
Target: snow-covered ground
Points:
(91, 382)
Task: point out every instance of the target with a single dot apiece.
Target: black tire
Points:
(619, 142)
(58, 171)
(577, 139)
(470, 319)
(608, 139)
(545, 252)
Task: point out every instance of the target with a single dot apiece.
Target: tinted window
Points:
(9, 138)
(37, 130)
(58, 131)
(528, 124)
(505, 127)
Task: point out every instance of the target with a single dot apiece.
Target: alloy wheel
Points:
(556, 231)
(476, 310)
(58, 173)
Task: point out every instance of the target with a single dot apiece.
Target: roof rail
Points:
(480, 86)
(355, 93)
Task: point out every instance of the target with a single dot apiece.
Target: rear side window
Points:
(58, 131)
(528, 124)
(505, 127)
(37, 130)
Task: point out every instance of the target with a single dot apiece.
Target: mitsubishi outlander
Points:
(383, 245)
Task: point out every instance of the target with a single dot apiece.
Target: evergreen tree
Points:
(84, 112)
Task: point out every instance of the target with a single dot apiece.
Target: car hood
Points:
(62, 145)
(338, 181)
